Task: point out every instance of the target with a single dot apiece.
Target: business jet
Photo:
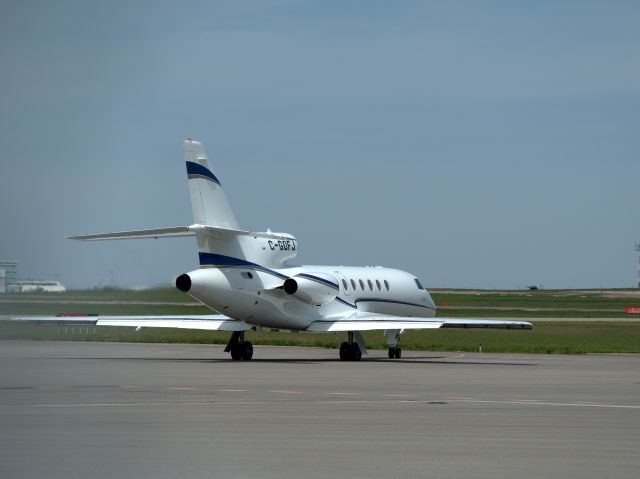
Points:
(250, 279)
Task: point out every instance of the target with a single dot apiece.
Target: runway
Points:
(103, 410)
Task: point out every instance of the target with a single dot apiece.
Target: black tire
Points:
(247, 350)
(398, 353)
(344, 351)
(355, 353)
(392, 353)
(236, 352)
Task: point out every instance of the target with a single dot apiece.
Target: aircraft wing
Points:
(372, 321)
(212, 322)
(470, 323)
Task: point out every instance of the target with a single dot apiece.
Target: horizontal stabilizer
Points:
(176, 232)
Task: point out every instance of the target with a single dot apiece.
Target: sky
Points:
(488, 144)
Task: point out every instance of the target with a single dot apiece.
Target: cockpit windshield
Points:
(418, 283)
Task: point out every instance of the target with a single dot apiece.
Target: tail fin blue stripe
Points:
(196, 170)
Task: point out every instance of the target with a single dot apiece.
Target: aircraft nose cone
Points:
(183, 283)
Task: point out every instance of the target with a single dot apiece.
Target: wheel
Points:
(236, 352)
(344, 351)
(247, 350)
(392, 353)
(355, 353)
(398, 353)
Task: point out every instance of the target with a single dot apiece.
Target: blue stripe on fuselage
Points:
(340, 300)
(319, 280)
(222, 261)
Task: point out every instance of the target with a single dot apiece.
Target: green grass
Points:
(535, 299)
(30, 309)
(160, 295)
(522, 314)
(555, 336)
(547, 337)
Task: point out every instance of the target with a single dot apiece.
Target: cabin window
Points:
(386, 284)
(353, 285)
(344, 284)
(370, 284)
(247, 274)
(418, 283)
(361, 284)
(378, 285)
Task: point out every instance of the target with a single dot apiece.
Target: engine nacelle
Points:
(312, 288)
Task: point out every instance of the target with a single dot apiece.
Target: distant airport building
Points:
(10, 284)
(37, 286)
(8, 276)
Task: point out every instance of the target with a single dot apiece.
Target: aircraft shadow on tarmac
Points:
(413, 360)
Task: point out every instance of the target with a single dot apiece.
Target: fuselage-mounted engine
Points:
(312, 288)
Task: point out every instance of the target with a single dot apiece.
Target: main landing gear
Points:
(395, 353)
(349, 350)
(238, 347)
(393, 336)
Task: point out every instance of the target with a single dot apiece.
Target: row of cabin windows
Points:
(345, 285)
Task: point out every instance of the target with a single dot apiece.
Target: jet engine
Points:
(312, 288)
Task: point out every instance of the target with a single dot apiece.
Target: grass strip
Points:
(546, 338)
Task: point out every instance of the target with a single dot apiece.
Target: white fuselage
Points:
(255, 294)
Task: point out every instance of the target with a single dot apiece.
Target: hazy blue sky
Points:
(475, 144)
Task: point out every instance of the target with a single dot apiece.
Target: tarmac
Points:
(105, 410)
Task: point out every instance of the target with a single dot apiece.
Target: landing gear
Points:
(238, 347)
(242, 351)
(395, 353)
(393, 336)
(350, 350)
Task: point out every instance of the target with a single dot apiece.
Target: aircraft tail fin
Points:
(208, 201)
(219, 239)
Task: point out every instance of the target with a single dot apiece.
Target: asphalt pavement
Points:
(105, 410)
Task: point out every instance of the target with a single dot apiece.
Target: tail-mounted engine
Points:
(312, 288)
